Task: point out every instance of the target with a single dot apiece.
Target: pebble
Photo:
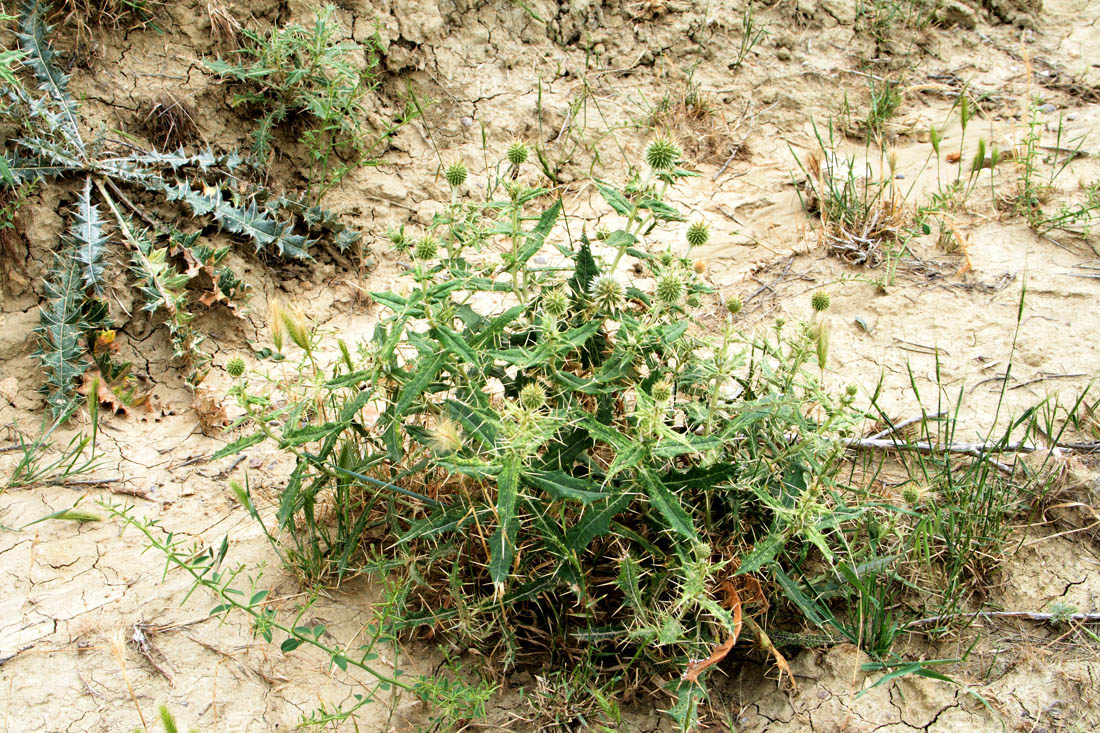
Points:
(467, 121)
(1071, 116)
(1047, 109)
(900, 176)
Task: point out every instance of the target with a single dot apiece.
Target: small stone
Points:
(954, 13)
(1071, 116)
(467, 121)
(900, 176)
(1047, 108)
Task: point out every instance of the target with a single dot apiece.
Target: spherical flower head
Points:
(820, 301)
(398, 239)
(851, 390)
(734, 305)
(533, 396)
(426, 249)
(555, 302)
(455, 174)
(235, 367)
(607, 292)
(698, 234)
(602, 234)
(661, 390)
(670, 288)
(445, 437)
(517, 153)
(662, 154)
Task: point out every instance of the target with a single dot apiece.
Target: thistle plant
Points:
(164, 260)
(306, 72)
(521, 434)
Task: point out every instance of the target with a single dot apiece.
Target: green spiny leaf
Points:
(679, 521)
(34, 37)
(89, 239)
(61, 332)
(502, 545)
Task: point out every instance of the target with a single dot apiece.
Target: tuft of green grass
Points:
(306, 75)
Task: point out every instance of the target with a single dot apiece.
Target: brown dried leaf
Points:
(694, 669)
(210, 411)
(733, 602)
(104, 393)
(766, 642)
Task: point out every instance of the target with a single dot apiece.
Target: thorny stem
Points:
(719, 377)
(229, 599)
(125, 229)
(633, 216)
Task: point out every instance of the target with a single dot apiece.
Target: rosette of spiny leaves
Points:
(51, 146)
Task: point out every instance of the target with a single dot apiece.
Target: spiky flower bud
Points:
(517, 153)
(661, 391)
(670, 287)
(851, 390)
(607, 292)
(235, 367)
(820, 301)
(734, 305)
(398, 239)
(602, 234)
(555, 302)
(698, 234)
(455, 174)
(662, 154)
(426, 249)
(533, 396)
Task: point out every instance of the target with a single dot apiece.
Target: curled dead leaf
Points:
(104, 393)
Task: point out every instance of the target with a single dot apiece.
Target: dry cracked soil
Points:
(94, 636)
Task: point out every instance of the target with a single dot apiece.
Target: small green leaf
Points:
(762, 554)
(595, 522)
(562, 486)
(625, 459)
(502, 548)
(457, 345)
(429, 369)
(238, 445)
(679, 521)
(537, 236)
(613, 198)
(290, 645)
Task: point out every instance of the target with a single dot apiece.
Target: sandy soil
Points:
(92, 632)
